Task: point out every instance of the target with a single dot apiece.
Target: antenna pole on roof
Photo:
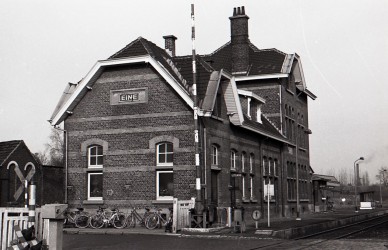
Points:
(198, 200)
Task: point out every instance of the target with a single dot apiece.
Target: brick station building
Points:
(130, 127)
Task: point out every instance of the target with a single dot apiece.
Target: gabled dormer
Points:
(251, 105)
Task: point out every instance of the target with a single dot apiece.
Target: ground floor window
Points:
(164, 185)
(95, 186)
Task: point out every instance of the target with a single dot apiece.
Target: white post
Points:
(175, 215)
(268, 197)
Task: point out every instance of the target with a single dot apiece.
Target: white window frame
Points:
(249, 107)
(251, 163)
(243, 187)
(158, 172)
(243, 161)
(233, 159)
(89, 197)
(251, 185)
(166, 153)
(214, 155)
(258, 113)
(97, 155)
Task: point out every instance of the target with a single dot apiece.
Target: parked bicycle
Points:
(102, 217)
(157, 220)
(134, 217)
(78, 217)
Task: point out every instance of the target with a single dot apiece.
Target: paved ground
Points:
(276, 224)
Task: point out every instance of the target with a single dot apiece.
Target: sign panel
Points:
(128, 96)
(271, 190)
(256, 215)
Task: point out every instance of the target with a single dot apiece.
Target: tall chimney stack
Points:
(169, 44)
(239, 41)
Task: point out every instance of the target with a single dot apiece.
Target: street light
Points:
(356, 181)
(381, 196)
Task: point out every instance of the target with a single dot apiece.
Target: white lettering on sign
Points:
(128, 96)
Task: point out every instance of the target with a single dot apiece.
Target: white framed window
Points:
(258, 113)
(233, 159)
(95, 185)
(243, 187)
(164, 154)
(251, 159)
(251, 186)
(164, 185)
(249, 108)
(214, 155)
(243, 162)
(95, 156)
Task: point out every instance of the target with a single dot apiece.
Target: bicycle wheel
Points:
(119, 221)
(152, 221)
(131, 221)
(82, 221)
(96, 221)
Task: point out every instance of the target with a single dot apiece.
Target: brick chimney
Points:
(239, 41)
(169, 44)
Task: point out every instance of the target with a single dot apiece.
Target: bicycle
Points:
(156, 220)
(135, 216)
(102, 217)
(79, 218)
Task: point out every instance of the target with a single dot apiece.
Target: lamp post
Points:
(356, 181)
(381, 196)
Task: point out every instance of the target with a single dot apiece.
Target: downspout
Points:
(204, 161)
(66, 165)
(282, 178)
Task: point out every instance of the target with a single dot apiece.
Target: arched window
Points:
(95, 156)
(243, 159)
(214, 155)
(233, 159)
(165, 154)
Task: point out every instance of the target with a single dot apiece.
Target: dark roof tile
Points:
(6, 148)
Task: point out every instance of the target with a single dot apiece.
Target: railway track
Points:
(317, 239)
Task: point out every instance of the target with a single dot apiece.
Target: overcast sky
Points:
(44, 44)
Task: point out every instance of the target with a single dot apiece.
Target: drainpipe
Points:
(66, 165)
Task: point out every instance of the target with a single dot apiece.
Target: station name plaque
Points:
(128, 96)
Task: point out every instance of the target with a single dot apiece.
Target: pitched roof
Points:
(267, 61)
(266, 128)
(7, 148)
(142, 46)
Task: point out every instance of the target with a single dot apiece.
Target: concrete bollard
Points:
(53, 230)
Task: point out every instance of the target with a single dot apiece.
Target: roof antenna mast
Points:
(198, 201)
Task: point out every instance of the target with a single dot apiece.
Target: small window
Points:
(251, 160)
(258, 113)
(214, 155)
(165, 154)
(164, 185)
(95, 159)
(95, 186)
(243, 162)
(233, 159)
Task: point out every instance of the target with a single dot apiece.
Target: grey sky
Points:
(343, 45)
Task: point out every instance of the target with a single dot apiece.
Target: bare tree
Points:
(54, 149)
(343, 177)
(365, 179)
(382, 177)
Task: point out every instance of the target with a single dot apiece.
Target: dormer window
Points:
(249, 108)
(258, 113)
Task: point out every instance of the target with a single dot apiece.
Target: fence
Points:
(181, 216)
(11, 216)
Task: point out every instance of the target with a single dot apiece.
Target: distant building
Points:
(12, 177)
(18, 164)
(130, 127)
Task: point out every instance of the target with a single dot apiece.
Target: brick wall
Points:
(129, 171)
